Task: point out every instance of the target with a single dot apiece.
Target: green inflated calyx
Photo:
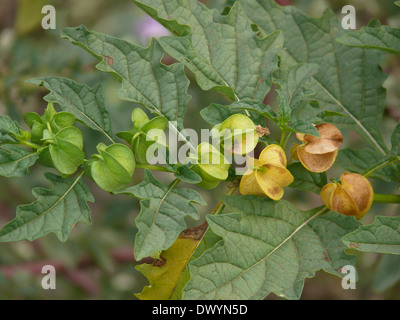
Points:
(144, 133)
(62, 120)
(113, 167)
(211, 165)
(139, 118)
(64, 150)
(238, 134)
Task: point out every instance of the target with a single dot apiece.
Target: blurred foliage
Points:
(97, 261)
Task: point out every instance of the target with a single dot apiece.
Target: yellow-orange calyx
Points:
(353, 196)
(267, 175)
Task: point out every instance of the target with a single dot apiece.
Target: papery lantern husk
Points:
(317, 154)
(352, 197)
(316, 162)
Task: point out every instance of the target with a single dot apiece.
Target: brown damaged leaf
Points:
(195, 233)
(109, 60)
(164, 278)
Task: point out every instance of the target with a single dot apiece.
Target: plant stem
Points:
(284, 138)
(386, 198)
(380, 166)
(30, 144)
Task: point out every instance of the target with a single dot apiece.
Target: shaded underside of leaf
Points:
(162, 214)
(349, 79)
(56, 210)
(306, 180)
(383, 38)
(8, 129)
(268, 247)
(87, 104)
(145, 80)
(360, 161)
(223, 51)
(293, 83)
(15, 161)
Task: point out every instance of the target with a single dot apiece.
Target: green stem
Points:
(285, 138)
(49, 127)
(30, 144)
(380, 166)
(386, 198)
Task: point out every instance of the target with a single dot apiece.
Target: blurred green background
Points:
(97, 261)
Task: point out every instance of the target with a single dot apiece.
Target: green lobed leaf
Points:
(268, 247)
(145, 80)
(208, 240)
(162, 215)
(8, 129)
(395, 140)
(293, 83)
(360, 161)
(349, 79)
(302, 127)
(223, 51)
(186, 174)
(254, 107)
(56, 210)
(84, 102)
(15, 160)
(306, 180)
(382, 236)
(383, 38)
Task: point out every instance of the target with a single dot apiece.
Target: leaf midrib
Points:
(19, 159)
(321, 211)
(99, 128)
(54, 205)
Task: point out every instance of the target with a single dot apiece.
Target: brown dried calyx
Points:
(317, 154)
(353, 196)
